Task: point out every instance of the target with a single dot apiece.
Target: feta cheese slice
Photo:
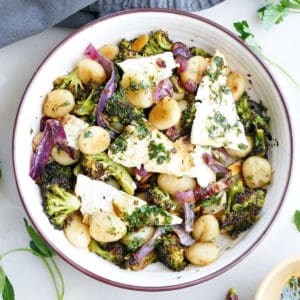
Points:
(157, 67)
(97, 195)
(181, 159)
(216, 120)
(73, 126)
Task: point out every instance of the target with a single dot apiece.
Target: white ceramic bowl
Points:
(273, 283)
(192, 30)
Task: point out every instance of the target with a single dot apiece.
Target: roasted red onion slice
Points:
(189, 216)
(149, 246)
(185, 238)
(53, 134)
(191, 86)
(185, 197)
(214, 164)
(163, 89)
(201, 193)
(179, 48)
(173, 133)
(111, 85)
(183, 63)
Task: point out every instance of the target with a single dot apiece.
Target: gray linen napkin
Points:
(23, 18)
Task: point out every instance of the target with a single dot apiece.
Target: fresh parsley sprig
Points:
(246, 35)
(275, 11)
(39, 248)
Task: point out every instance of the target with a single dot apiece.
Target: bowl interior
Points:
(193, 31)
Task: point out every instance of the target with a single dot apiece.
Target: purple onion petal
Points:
(53, 134)
(191, 86)
(189, 216)
(183, 63)
(214, 164)
(185, 197)
(141, 172)
(179, 48)
(59, 136)
(185, 238)
(43, 123)
(163, 89)
(173, 133)
(213, 188)
(42, 154)
(111, 85)
(149, 246)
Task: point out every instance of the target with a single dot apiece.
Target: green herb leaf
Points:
(8, 291)
(272, 14)
(37, 243)
(297, 219)
(2, 280)
(294, 4)
(246, 35)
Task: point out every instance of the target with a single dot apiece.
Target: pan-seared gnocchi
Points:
(93, 140)
(165, 114)
(172, 184)
(106, 227)
(58, 103)
(90, 70)
(202, 254)
(237, 84)
(257, 172)
(206, 229)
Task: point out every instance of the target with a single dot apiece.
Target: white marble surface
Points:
(28, 275)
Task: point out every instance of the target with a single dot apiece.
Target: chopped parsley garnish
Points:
(141, 85)
(219, 61)
(213, 200)
(120, 143)
(142, 129)
(159, 152)
(242, 146)
(147, 215)
(135, 243)
(87, 134)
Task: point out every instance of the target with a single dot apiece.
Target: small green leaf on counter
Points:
(275, 11)
(2, 280)
(297, 219)
(38, 244)
(8, 291)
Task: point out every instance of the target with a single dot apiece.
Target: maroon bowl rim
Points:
(255, 243)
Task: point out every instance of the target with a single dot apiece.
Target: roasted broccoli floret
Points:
(132, 264)
(256, 124)
(86, 106)
(55, 173)
(113, 252)
(242, 209)
(126, 51)
(59, 205)
(161, 199)
(170, 252)
(121, 111)
(188, 118)
(101, 167)
(199, 51)
(158, 43)
(70, 82)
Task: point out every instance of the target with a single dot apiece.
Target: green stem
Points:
(280, 68)
(58, 294)
(293, 12)
(62, 283)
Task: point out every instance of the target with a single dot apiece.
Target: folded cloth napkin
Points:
(20, 19)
